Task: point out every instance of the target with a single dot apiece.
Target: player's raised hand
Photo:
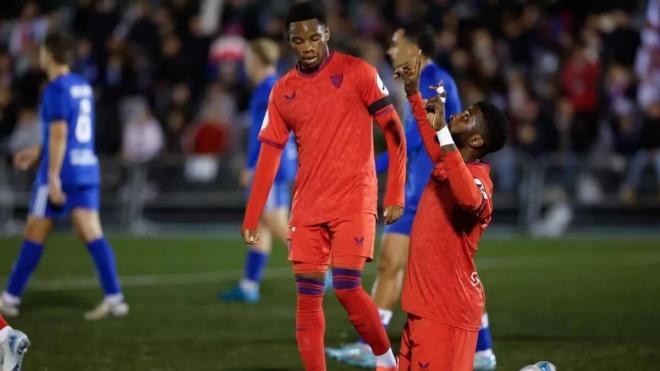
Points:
(251, 237)
(55, 193)
(25, 158)
(392, 213)
(435, 112)
(409, 73)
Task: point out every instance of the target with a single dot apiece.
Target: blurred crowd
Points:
(578, 79)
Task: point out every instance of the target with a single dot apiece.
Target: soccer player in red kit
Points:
(13, 345)
(329, 101)
(442, 293)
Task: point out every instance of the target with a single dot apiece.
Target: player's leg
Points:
(256, 258)
(386, 289)
(37, 227)
(441, 347)
(484, 358)
(352, 245)
(309, 251)
(87, 223)
(391, 267)
(274, 222)
(13, 345)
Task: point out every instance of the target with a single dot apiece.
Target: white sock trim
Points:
(444, 136)
(484, 321)
(386, 360)
(11, 299)
(385, 316)
(249, 285)
(114, 299)
(4, 332)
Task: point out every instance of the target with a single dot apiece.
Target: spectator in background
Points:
(27, 132)
(27, 32)
(8, 115)
(142, 138)
(647, 68)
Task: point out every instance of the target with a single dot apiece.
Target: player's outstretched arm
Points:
(389, 122)
(264, 175)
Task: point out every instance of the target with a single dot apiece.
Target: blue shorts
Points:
(82, 196)
(403, 225)
(279, 197)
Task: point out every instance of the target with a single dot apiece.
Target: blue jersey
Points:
(70, 98)
(419, 162)
(258, 107)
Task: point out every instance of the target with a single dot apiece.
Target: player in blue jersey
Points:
(260, 62)
(67, 181)
(406, 44)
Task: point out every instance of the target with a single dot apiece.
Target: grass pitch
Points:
(584, 304)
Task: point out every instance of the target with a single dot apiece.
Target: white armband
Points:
(444, 136)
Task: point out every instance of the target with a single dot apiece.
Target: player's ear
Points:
(326, 34)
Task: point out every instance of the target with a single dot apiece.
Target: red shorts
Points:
(432, 346)
(337, 241)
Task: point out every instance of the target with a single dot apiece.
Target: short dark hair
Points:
(304, 11)
(60, 47)
(496, 126)
(421, 34)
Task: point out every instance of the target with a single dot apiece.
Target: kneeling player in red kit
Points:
(442, 293)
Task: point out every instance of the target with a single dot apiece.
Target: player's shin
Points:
(255, 262)
(310, 322)
(27, 262)
(104, 259)
(363, 313)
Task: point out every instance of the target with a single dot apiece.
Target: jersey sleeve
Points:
(470, 186)
(374, 93)
(274, 130)
(55, 104)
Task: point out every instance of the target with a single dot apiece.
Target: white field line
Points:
(276, 273)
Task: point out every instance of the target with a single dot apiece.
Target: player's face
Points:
(252, 65)
(44, 58)
(309, 40)
(401, 50)
(464, 127)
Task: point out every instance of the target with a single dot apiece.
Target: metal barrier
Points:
(140, 197)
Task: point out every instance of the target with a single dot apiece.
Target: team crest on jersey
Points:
(381, 85)
(290, 98)
(337, 80)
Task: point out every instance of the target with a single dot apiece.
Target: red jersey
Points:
(441, 281)
(330, 112)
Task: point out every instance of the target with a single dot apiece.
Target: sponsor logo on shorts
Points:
(424, 366)
(359, 241)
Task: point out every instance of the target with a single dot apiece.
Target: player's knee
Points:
(36, 230)
(346, 282)
(388, 265)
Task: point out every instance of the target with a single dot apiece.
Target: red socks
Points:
(3, 322)
(310, 323)
(360, 308)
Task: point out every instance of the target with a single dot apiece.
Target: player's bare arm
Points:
(27, 157)
(56, 149)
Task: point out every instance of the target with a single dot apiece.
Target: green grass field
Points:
(584, 304)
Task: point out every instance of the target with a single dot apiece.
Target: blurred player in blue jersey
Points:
(67, 181)
(260, 61)
(406, 44)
